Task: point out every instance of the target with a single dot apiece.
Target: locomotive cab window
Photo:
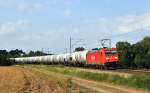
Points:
(101, 53)
(114, 52)
(108, 52)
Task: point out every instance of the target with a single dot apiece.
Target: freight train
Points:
(103, 58)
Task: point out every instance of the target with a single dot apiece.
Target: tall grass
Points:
(136, 81)
(69, 85)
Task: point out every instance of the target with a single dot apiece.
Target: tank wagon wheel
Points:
(106, 68)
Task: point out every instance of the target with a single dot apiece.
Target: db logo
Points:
(92, 57)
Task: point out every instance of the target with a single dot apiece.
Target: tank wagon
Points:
(104, 57)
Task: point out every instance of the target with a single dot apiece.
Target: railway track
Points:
(130, 71)
(138, 71)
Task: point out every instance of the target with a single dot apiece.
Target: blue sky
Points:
(48, 24)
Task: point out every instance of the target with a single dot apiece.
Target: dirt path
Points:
(105, 87)
(96, 86)
(20, 80)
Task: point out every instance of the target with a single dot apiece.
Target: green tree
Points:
(138, 60)
(79, 49)
(125, 54)
(121, 46)
(31, 53)
(16, 53)
(146, 42)
(39, 53)
(142, 61)
(135, 55)
(147, 62)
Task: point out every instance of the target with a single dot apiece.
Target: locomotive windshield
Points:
(94, 50)
(108, 52)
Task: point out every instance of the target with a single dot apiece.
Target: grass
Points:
(69, 85)
(135, 81)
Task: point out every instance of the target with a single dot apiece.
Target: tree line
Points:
(134, 55)
(5, 55)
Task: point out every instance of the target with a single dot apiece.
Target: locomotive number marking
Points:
(92, 58)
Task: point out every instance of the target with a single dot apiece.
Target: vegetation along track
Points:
(137, 71)
(102, 83)
(120, 72)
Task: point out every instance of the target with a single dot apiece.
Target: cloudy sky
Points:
(48, 24)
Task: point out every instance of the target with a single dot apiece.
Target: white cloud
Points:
(30, 7)
(11, 27)
(27, 6)
(67, 13)
(61, 2)
(7, 4)
(116, 25)
(132, 23)
(24, 6)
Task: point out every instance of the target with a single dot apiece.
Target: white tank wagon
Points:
(12, 59)
(22, 60)
(30, 59)
(39, 59)
(73, 58)
(25, 59)
(42, 58)
(34, 59)
(78, 56)
(45, 59)
(66, 57)
(58, 58)
(54, 59)
(50, 58)
(18, 60)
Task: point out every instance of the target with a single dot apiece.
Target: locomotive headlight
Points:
(116, 57)
(107, 58)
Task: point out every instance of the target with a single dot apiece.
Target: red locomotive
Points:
(104, 56)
